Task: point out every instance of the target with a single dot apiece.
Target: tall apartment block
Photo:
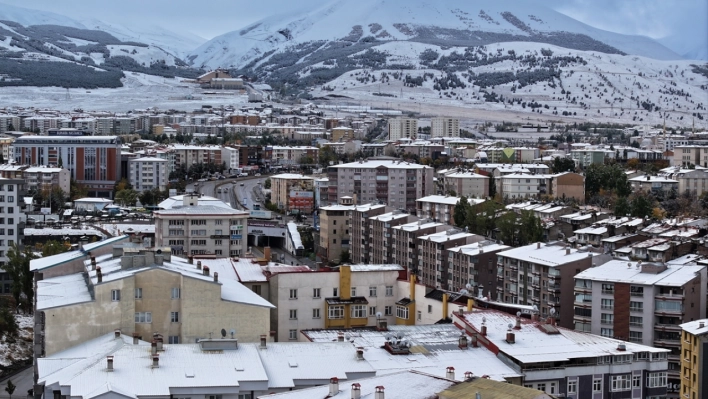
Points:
(11, 193)
(641, 302)
(360, 215)
(335, 230)
(444, 127)
(402, 128)
(380, 237)
(542, 275)
(406, 248)
(694, 359)
(474, 264)
(395, 183)
(94, 161)
(435, 270)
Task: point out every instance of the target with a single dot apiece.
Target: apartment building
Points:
(293, 155)
(6, 147)
(292, 192)
(474, 264)
(341, 134)
(406, 247)
(542, 275)
(568, 185)
(351, 296)
(148, 173)
(692, 182)
(38, 177)
(94, 161)
(335, 231)
(360, 244)
(144, 292)
(188, 155)
(584, 365)
(393, 182)
(402, 128)
(524, 185)
(653, 183)
(11, 193)
(230, 157)
(467, 183)
(380, 238)
(641, 302)
(9, 123)
(694, 352)
(441, 208)
(205, 231)
(444, 127)
(435, 270)
(686, 155)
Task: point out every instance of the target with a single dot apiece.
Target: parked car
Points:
(243, 175)
(241, 184)
(257, 174)
(222, 177)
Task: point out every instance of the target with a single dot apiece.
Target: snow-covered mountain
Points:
(445, 22)
(27, 17)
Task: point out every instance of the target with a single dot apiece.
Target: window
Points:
(353, 291)
(138, 293)
(315, 313)
(143, 317)
(293, 314)
(372, 291)
(608, 304)
(637, 381)
(115, 295)
(388, 310)
(173, 339)
(541, 387)
(597, 385)
(389, 290)
(419, 315)
(336, 312)
(402, 312)
(608, 288)
(552, 388)
(655, 380)
(636, 306)
(292, 335)
(315, 292)
(621, 383)
(607, 318)
(175, 293)
(358, 311)
(607, 332)
(174, 317)
(335, 291)
(572, 386)
(635, 321)
(430, 308)
(372, 310)
(635, 336)
(293, 293)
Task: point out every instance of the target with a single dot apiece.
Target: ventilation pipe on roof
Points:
(538, 245)
(199, 265)
(510, 337)
(450, 373)
(621, 347)
(379, 393)
(153, 347)
(93, 263)
(567, 251)
(518, 321)
(462, 341)
(155, 361)
(216, 277)
(99, 276)
(359, 353)
(205, 271)
(117, 333)
(190, 259)
(356, 391)
(264, 342)
(135, 338)
(340, 337)
(333, 386)
(468, 375)
(109, 363)
(474, 340)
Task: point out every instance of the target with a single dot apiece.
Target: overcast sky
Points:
(653, 18)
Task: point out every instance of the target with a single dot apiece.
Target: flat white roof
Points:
(178, 202)
(387, 163)
(619, 272)
(476, 248)
(545, 254)
(443, 236)
(377, 268)
(292, 176)
(294, 235)
(592, 230)
(694, 327)
(202, 210)
(419, 225)
(59, 259)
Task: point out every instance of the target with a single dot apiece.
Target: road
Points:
(232, 192)
(22, 380)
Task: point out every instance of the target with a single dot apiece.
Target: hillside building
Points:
(444, 127)
(402, 128)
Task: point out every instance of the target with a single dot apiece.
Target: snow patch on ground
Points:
(19, 348)
(142, 55)
(79, 42)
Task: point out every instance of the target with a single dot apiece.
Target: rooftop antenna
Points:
(233, 332)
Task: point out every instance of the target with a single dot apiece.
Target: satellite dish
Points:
(468, 286)
(518, 314)
(378, 315)
(158, 252)
(535, 308)
(553, 311)
(510, 325)
(233, 332)
(388, 337)
(484, 320)
(223, 333)
(400, 335)
(346, 337)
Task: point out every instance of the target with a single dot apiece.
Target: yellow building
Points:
(694, 360)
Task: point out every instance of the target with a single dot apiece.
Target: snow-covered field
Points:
(140, 91)
(21, 349)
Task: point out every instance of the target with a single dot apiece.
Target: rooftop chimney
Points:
(155, 361)
(93, 263)
(356, 391)
(379, 393)
(462, 341)
(538, 245)
(199, 265)
(109, 363)
(190, 258)
(450, 373)
(474, 340)
(567, 251)
(510, 337)
(153, 347)
(484, 330)
(468, 375)
(621, 347)
(340, 337)
(701, 324)
(117, 333)
(333, 386)
(99, 276)
(264, 342)
(135, 339)
(266, 254)
(518, 321)
(360, 353)
(216, 277)
(205, 271)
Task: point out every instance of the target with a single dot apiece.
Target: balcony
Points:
(667, 343)
(514, 267)
(553, 287)
(555, 301)
(670, 296)
(666, 327)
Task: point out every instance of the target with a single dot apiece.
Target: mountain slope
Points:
(27, 17)
(451, 22)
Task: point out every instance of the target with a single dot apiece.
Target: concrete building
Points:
(231, 157)
(396, 183)
(441, 208)
(350, 296)
(694, 351)
(469, 184)
(38, 177)
(202, 231)
(642, 302)
(568, 185)
(380, 239)
(444, 127)
(435, 269)
(653, 183)
(11, 193)
(6, 145)
(406, 247)
(341, 134)
(402, 128)
(292, 192)
(474, 264)
(143, 291)
(542, 275)
(148, 173)
(335, 231)
(94, 161)
(524, 185)
(188, 155)
(584, 365)
(687, 155)
(293, 155)
(360, 243)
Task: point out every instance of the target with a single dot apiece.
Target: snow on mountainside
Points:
(27, 17)
(453, 22)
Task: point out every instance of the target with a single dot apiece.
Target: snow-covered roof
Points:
(419, 225)
(387, 217)
(631, 272)
(387, 163)
(294, 235)
(592, 230)
(694, 327)
(545, 254)
(444, 236)
(651, 179)
(62, 291)
(376, 268)
(292, 176)
(60, 259)
(466, 175)
(61, 232)
(619, 237)
(209, 210)
(476, 248)
(94, 200)
(448, 200)
(178, 202)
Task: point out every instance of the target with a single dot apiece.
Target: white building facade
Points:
(148, 173)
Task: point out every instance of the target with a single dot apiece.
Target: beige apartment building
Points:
(361, 230)
(291, 191)
(434, 270)
(406, 246)
(146, 291)
(38, 177)
(542, 275)
(380, 238)
(340, 134)
(188, 155)
(202, 231)
(441, 208)
(467, 183)
(293, 155)
(473, 265)
(686, 155)
(335, 231)
(402, 128)
(444, 127)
